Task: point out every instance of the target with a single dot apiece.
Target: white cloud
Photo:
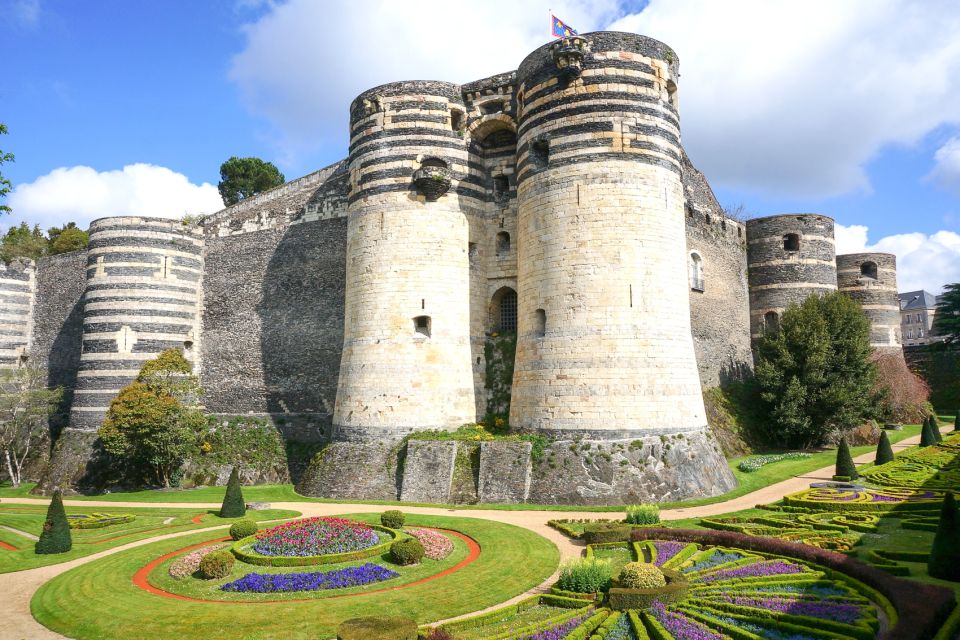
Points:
(923, 261)
(26, 12)
(776, 96)
(81, 194)
(946, 172)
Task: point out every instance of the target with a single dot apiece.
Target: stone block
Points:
(353, 470)
(504, 471)
(428, 471)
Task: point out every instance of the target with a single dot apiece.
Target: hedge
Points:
(621, 598)
(378, 628)
(523, 605)
(99, 520)
(250, 556)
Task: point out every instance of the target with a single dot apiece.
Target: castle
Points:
(356, 304)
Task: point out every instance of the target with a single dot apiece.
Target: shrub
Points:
(243, 528)
(640, 575)
(217, 564)
(584, 575)
(408, 551)
(903, 393)
(884, 450)
(438, 633)
(845, 466)
(392, 519)
(956, 422)
(935, 427)
(189, 564)
(55, 537)
(643, 514)
(600, 532)
(378, 628)
(755, 463)
(926, 435)
(233, 504)
(944, 559)
(436, 546)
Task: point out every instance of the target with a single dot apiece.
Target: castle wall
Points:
(871, 280)
(18, 286)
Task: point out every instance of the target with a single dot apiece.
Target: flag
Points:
(560, 29)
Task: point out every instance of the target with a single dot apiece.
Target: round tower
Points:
(871, 280)
(406, 361)
(789, 258)
(604, 347)
(17, 290)
(142, 297)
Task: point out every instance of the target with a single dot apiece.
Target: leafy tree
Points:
(946, 322)
(25, 408)
(815, 372)
(233, 505)
(845, 465)
(884, 450)
(55, 537)
(66, 239)
(944, 561)
(153, 423)
(23, 242)
(5, 185)
(245, 177)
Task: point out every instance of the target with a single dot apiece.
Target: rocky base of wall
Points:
(354, 470)
(76, 463)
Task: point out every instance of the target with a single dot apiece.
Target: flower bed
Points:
(436, 546)
(284, 582)
(188, 564)
(887, 499)
(98, 520)
(755, 463)
(314, 541)
(824, 529)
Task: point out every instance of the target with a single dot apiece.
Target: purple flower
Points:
(823, 609)
(766, 568)
(667, 550)
(680, 626)
(281, 582)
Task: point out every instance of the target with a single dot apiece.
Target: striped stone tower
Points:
(17, 294)
(789, 257)
(142, 297)
(871, 280)
(604, 348)
(406, 361)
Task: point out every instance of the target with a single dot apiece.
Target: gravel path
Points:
(17, 589)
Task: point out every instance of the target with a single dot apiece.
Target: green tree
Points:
(245, 177)
(944, 561)
(154, 424)
(23, 242)
(884, 450)
(5, 184)
(55, 536)
(25, 408)
(815, 372)
(946, 322)
(927, 439)
(66, 239)
(845, 464)
(233, 505)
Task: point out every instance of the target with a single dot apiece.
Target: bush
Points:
(217, 564)
(601, 532)
(584, 575)
(956, 422)
(643, 514)
(884, 450)
(243, 528)
(55, 537)
(392, 519)
(438, 633)
(845, 465)
(409, 551)
(944, 559)
(927, 438)
(935, 427)
(640, 575)
(903, 393)
(378, 628)
(233, 504)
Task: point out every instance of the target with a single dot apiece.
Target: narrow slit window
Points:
(540, 153)
(503, 243)
(539, 323)
(421, 324)
(696, 271)
(456, 119)
(771, 321)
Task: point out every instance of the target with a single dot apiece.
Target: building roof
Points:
(917, 300)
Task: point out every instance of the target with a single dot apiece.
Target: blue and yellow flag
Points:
(561, 29)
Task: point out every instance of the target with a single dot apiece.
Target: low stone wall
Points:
(353, 470)
(428, 471)
(504, 472)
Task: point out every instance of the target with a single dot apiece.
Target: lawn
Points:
(148, 523)
(99, 599)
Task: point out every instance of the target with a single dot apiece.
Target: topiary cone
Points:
(935, 427)
(944, 559)
(845, 466)
(55, 537)
(926, 434)
(233, 504)
(956, 422)
(884, 450)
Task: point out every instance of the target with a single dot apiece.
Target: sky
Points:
(851, 109)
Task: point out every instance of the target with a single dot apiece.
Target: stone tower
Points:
(789, 258)
(406, 361)
(142, 297)
(604, 348)
(871, 280)
(17, 295)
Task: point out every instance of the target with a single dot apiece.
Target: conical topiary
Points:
(55, 537)
(884, 450)
(944, 559)
(935, 427)
(926, 434)
(845, 466)
(956, 422)
(233, 504)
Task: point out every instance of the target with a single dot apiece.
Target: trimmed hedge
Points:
(641, 575)
(884, 450)
(392, 519)
(100, 520)
(217, 564)
(250, 556)
(601, 533)
(944, 559)
(233, 505)
(621, 598)
(845, 465)
(406, 551)
(927, 438)
(378, 628)
(55, 537)
(523, 605)
(243, 529)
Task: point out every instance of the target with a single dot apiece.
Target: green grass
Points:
(98, 599)
(513, 620)
(149, 523)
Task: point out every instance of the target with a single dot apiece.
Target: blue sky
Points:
(851, 109)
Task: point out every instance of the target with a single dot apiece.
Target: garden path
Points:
(17, 589)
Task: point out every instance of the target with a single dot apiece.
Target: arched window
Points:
(434, 162)
(771, 321)
(540, 323)
(503, 243)
(869, 270)
(695, 268)
(503, 310)
(791, 242)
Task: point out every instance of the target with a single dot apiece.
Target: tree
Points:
(5, 185)
(935, 427)
(845, 465)
(884, 450)
(927, 438)
(25, 408)
(233, 505)
(66, 239)
(944, 561)
(55, 537)
(946, 322)
(242, 178)
(154, 423)
(815, 372)
(23, 242)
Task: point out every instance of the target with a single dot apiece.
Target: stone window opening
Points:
(456, 119)
(492, 107)
(540, 153)
(771, 321)
(695, 268)
(503, 243)
(501, 187)
(187, 345)
(421, 325)
(434, 162)
(503, 310)
(791, 242)
(539, 323)
(869, 270)
(709, 219)
(672, 93)
(471, 249)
